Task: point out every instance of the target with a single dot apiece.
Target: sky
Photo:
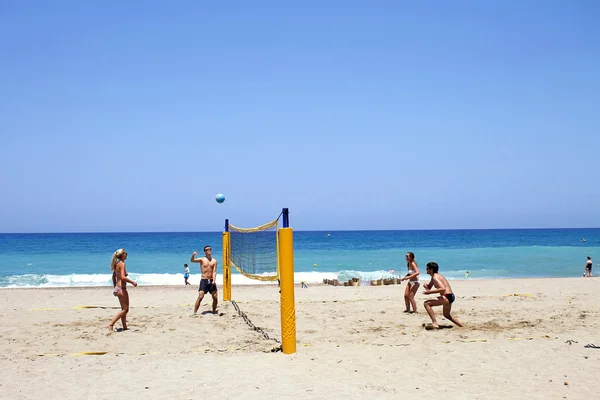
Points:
(131, 116)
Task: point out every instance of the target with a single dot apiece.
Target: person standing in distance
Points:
(588, 266)
(208, 269)
(186, 273)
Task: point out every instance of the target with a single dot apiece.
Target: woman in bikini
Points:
(413, 283)
(120, 280)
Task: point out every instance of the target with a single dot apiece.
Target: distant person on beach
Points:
(186, 273)
(442, 287)
(120, 280)
(588, 267)
(413, 282)
(208, 268)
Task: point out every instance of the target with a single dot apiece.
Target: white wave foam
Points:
(85, 280)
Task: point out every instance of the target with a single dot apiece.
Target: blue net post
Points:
(286, 218)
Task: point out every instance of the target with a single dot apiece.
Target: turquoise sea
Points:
(82, 259)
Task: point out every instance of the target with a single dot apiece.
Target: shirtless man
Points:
(208, 268)
(442, 287)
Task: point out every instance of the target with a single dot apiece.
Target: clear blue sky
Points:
(133, 115)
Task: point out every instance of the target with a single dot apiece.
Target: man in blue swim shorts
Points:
(208, 268)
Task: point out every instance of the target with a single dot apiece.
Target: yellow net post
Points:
(250, 251)
(286, 275)
(226, 266)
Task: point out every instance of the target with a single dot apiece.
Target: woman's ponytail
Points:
(115, 258)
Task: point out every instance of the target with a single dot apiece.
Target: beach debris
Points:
(89, 353)
(571, 341)
(82, 353)
(102, 307)
(429, 326)
(358, 282)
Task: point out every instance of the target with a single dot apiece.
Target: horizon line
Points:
(302, 230)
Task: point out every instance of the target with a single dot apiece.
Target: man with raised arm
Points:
(208, 269)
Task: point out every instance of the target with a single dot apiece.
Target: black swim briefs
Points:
(207, 286)
(450, 297)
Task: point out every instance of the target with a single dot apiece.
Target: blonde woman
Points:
(412, 277)
(120, 280)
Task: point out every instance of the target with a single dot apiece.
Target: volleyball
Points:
(220, 198)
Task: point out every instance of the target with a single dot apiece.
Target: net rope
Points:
(254, 251)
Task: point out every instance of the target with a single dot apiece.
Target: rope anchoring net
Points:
(256, 328)
(254, 251)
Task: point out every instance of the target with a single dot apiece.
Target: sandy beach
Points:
(522, 339)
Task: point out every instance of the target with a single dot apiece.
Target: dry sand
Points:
(522, 338)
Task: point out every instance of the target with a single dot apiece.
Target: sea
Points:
(83, 259)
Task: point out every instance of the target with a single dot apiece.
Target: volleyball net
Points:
(264, 253)
(253, 252)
